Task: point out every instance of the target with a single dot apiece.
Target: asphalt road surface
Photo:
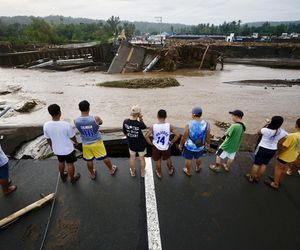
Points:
(206, 211)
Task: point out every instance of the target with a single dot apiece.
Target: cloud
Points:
(178, 11)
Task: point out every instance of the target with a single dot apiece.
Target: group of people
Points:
(162, 135)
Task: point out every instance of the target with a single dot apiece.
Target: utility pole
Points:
(159, 19)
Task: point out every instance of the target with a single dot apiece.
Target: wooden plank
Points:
(11, 218)
(203, 56)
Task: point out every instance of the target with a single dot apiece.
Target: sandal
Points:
(93, 176)
(250, 178)
(271, 184)
(171, 172)
(114, 170)
(132, 172)
(198, 169)
(159, 176)
(289, 172)
(186, 172)
(64, 176)
(75, 178)
(10, 189)
(225, 167)
(272, 179)
(215, 168)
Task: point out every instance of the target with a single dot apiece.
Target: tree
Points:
(113, 23)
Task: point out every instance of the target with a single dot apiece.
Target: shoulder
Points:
(265, 131)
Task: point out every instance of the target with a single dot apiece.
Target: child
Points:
(61, 138)
(195, 139)
(132, 128)
(92, 143)
(271, 134)
(232, 142)
(161, 143)
(4, 175)
(289, 150)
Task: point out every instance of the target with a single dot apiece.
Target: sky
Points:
(171, 11)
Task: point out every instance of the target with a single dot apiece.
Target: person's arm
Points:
(141, 120)
(147, 136)
(282, 145)
(184, 137)
(49, 142)
(73, 139)
(259, 131)
(176, 135)
(124, 129)
(98, 120)
(72, 135)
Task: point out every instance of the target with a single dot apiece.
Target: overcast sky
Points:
(172, 11)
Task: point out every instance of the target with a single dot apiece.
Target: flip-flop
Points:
(115, 168)
(132, 173)
(272, 179)
(225, 167)
(214, 168)
(172, 171)
(95, 175)
(269, 183)
(249, 178)
(159, 176)
(11, 189)
(186, 172)
(198, 169)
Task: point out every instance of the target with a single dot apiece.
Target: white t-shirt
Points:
(3, 158)
(60, 133)
(270, 138)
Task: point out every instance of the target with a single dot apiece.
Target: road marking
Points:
(154, 240)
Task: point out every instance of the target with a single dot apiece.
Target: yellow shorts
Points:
(94, 151)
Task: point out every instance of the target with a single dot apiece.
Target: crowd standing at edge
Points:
(273, 141)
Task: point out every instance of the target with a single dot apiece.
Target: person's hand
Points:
(180, 147)
(268, 121)
(207, 146)
(140, 116)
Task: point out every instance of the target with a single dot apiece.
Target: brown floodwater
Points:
(198, 88)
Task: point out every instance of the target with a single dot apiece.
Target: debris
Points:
(26, 106)
(160, 82)
(268, 82)
(224, 125)
(10, 90)
(4, 111)
(11, 218)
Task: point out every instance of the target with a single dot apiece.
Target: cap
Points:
(135, 110)
(237, 112)
(197, 111)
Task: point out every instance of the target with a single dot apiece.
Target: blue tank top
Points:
(198, 131)
(88, 128)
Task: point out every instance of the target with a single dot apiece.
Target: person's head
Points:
(54, 110)
(161, 114)
(275, 122)
(298, 125)
(196, 113)
(135, 111)
(84, 106)
(237, 115)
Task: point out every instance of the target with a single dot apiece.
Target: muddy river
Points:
(206, 89)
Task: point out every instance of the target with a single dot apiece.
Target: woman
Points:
(271, 134)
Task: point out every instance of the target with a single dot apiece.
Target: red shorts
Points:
(158, 154)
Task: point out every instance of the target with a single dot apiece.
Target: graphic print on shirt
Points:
(87, 130)
(161, 136)
(132, 131)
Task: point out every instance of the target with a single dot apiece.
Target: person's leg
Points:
(143, 164)
(112, 168)
(228, 164)
(132, 164)
(158, 168)
(280, 170)
(71, 171)
(170, 166)
(217, 166)
(91, 169)
(5, 184)
(261, 170)
(188, 166)
(198, 164)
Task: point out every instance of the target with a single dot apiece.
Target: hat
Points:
(197, 111)
(135, 110)
(237, 112)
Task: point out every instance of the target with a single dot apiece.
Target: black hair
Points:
(276, 122)
(84, 106)
(162, 114)
(54, 109)
(298, 123)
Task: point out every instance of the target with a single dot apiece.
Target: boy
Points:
(161, 143)
(196, 137)
(61, 138)
(289, 150)
(132, 128)
(4, 175)
(232, 142)
(92, 143)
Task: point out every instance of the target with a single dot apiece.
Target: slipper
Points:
(225, 167)
(93, 177)
(289, 172)
(172, 171)
(64, 177)
(272, 179)
(249, 178)
(186, 172)
(214, 168)
(271, 184)
(10, 189)
(159, 176)
(198, 169)
(76, 178)
(132, 172)
(115, 168)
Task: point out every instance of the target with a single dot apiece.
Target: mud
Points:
(269, 83)
(144, 83)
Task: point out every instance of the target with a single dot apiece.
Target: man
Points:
(161, 143)
(92, 143)
(195, 139)
(231, 144)
(289, 150)
(4, 175)
(61, 138)
(132, 128)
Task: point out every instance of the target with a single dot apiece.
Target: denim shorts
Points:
(4, 174)
(189, 155)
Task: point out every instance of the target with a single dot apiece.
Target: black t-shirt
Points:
(133, 131)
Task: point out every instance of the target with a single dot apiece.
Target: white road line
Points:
(154, 240)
